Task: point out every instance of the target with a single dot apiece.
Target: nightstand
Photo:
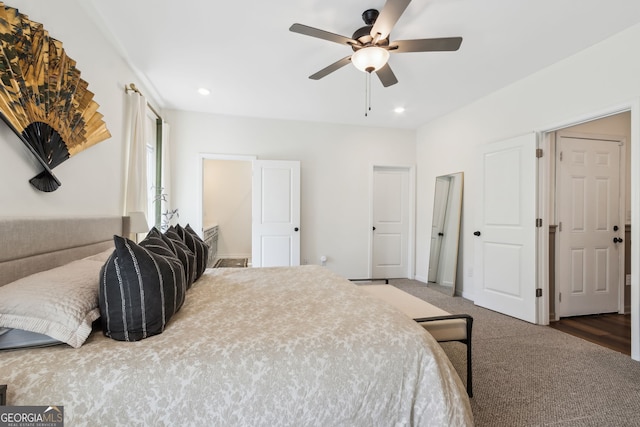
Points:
(3, 395)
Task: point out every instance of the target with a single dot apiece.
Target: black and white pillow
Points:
(181, 251)
(197, 245)
(156, 245)
(198, 240)
(140, 289)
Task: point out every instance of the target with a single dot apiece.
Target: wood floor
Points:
(609, 330)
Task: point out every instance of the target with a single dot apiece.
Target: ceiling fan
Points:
(371, 45)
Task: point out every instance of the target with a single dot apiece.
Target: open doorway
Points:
(226, 207)
(252, 208)
(589, 239)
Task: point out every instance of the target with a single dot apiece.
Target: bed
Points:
(253, 346)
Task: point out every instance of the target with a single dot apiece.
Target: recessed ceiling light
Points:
(399, 110)
(204, 91)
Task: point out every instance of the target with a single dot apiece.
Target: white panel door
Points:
(276, 213)
(505, 261)
(588, 200)
(390, 222)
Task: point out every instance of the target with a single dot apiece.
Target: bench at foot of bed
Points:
(442, 325)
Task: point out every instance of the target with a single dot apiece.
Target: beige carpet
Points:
(529, 375)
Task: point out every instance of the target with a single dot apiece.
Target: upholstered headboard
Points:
(31, 245)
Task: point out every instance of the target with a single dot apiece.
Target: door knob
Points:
(374, 229)
(476, 233)
(440, 234)
(617, 240)
(296, 229)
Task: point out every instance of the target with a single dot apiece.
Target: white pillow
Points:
(61, 303)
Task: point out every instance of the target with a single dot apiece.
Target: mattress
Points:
(255, 346)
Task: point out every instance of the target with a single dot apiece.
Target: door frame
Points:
(411, 169)
(545, 213)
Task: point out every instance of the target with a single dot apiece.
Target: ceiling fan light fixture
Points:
(370, 59)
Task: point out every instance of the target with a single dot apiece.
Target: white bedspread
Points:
(253, 347)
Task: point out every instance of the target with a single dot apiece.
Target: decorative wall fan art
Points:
(42, 97)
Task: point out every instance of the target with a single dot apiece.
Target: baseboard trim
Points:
(421, 279)
(467, 295)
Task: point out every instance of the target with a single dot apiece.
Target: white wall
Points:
(336, 161)
(92, 179)
(601, 78)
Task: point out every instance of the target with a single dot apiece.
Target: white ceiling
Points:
(254, 66)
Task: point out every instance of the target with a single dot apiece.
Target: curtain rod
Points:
(132, 87)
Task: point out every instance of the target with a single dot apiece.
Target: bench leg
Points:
(469, 370)
(469, 324)
(469, 359)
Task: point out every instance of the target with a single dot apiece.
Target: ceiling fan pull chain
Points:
(367, 80)
(367, 93)
(369, 88)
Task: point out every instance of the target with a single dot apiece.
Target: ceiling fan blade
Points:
(388, 17)
(426, 45)
(331, 68)
(321, 34)
(386, 76)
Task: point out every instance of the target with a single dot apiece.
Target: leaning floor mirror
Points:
(445, 233)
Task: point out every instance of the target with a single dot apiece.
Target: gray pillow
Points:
(61, 303)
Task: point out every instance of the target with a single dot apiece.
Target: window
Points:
(154, 162)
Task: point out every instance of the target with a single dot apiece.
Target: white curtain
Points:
(136, 188)
(167, 210)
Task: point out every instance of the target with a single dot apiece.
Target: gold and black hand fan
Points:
(42, 97)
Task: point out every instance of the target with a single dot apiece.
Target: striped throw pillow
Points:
(197, 245)
(140, 289)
